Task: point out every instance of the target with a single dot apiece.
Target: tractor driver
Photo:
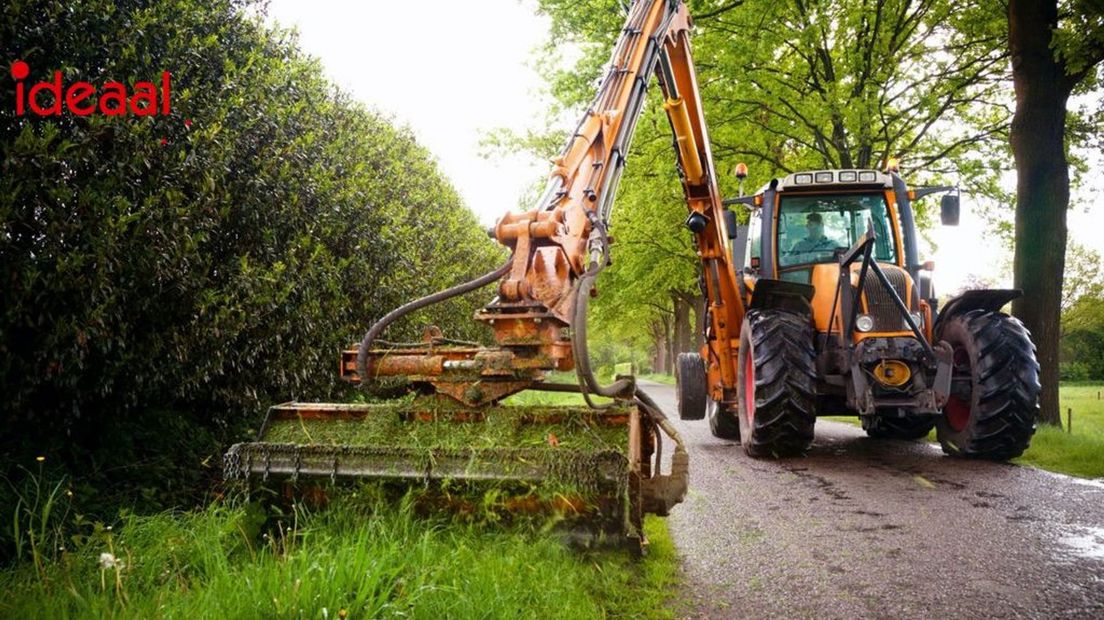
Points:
(815, 243)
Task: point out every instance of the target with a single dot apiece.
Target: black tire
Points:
(722, 421)
(691, 391)
(887, 425)
(994, 353)
(776, 369)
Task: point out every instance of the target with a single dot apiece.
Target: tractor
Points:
(843, 319)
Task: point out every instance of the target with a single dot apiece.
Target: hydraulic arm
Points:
(603, 463)
(558, 248)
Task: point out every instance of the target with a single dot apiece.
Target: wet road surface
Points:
(864, 528)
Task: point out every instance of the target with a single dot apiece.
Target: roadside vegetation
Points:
(166, 279)
(1079, 449)
(363, 556)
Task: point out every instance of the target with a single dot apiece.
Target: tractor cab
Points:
(800, 226)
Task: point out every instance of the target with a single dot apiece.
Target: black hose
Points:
(417, 304)
(579, 349)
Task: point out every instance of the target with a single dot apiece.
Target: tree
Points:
(797, 84)
(169, 277)
(1053, 52)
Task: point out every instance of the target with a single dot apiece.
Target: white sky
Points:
(452, 70)
(449, 69)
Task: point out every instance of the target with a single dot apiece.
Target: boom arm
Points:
(539, 314)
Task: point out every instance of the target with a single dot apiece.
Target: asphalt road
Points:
(864, 528)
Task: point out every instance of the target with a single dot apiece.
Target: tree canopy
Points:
(789, 85)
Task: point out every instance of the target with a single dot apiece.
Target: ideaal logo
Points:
(85, 99)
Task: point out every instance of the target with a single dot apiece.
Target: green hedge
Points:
(166, 278)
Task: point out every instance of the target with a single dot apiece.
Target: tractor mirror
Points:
(730, 223)
(948, 210)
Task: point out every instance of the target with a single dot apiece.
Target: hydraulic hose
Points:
(417, 304)
(587, 381)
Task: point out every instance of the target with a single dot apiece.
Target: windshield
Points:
(812, 228)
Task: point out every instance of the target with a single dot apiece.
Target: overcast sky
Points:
(452, 70)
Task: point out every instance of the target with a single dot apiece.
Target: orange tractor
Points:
(604, 463)
(843, 319)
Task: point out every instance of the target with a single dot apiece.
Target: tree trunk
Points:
(683, 331)
(1042, 183)
(699, 322)
(659, 345)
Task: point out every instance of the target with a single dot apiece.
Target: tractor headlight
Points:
(864, 322)
(918, 319)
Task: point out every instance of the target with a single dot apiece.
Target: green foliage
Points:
(785, 86)
(1074, 371)
(359, 556)
(176, 274)
(1082, 342)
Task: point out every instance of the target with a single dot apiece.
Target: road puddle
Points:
(1086, 542)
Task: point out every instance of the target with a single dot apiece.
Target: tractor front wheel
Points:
(776, 384)
(995, 387)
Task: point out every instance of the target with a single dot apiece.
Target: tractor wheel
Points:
(995, 387)
(886, 425)
(691, 392)
(722, 421)
(776, 384)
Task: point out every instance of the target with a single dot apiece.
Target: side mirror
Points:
(730, 223)
(949, 210)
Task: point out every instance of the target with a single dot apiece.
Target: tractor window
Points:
(812, 228)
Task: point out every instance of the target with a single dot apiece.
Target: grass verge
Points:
(1077, 453)
(1080, 452)
(366, 555)
(358, 558)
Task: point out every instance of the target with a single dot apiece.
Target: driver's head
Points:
(814, 225)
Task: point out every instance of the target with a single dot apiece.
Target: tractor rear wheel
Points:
(776, 384)
(995, 387)
(722, 421)
(691, 392)
(887, 425)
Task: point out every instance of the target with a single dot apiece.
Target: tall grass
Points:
(358, 558)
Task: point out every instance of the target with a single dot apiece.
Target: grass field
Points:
(1080, 453)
